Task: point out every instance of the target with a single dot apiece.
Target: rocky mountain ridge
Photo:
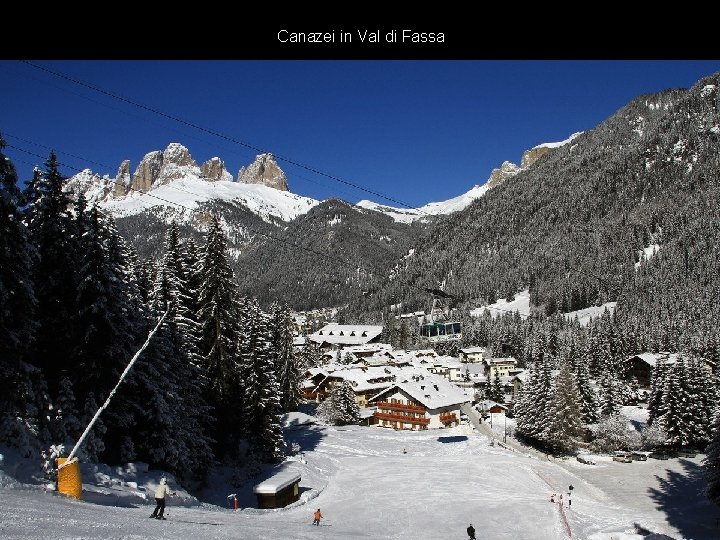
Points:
(158, 168)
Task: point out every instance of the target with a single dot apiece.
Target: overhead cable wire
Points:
(212, 132)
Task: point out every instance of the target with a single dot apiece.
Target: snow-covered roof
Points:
(360, 377)
(346, 334)
(474, 368)
(652, 359)
(369, 348)
(447, 361)
(431, 390)
(507, 360)
(522, 376)
(488, 404)
(473, 350)
(277, 482)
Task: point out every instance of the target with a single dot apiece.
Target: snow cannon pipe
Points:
(122, 377)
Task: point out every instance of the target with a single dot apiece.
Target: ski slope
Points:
(367, 488)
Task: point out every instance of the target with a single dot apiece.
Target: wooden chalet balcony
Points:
(402, 418)
(399, 406)
(448, 417)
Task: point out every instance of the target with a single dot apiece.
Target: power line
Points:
(184, 207)
(212, 132)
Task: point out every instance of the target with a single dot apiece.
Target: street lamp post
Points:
(505, 430)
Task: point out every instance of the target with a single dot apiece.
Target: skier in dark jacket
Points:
(471, 532)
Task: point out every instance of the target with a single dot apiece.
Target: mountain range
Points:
(570, 224)
(276, 238)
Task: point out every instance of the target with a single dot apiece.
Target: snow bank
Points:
(521, 304)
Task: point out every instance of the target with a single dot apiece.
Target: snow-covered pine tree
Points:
(535, 404)
(93, 445)
(261, 393)
(53, 233)
(288, 373)
(17, 297)
(65, 426)
(712, 462)
(109, 313)
(677, 399)
(703, 402)
(611, 392)
(565, 423)
(171, 419)
(495, 389)
(656, 399)
(588, 398)
(218, 314)
(178, 263)
(347, 410)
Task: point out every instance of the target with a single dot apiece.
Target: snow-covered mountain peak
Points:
(264, 170)
(507, 170)
(172, 179)
(177, 154)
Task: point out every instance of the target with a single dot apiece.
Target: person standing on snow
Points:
(318, 516)
(160, 493)
(471, 532)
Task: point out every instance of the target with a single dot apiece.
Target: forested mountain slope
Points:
(327, 257)
(573, 227)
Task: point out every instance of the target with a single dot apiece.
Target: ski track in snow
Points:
(368, 488)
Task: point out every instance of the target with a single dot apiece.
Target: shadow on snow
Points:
(680, 496)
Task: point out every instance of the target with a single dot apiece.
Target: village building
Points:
(518, 380)
(336, 336)
(473, 354)
(366, 381)
(488, 406)
(504, 367)
(642, 364)
(446, 366)
(419, 401)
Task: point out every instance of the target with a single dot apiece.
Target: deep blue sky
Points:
(416, 131)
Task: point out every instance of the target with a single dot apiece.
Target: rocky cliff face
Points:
(264, 170)
(531, 156)
(502, 173)
(148, 170)
(122, 180)
(214, 169)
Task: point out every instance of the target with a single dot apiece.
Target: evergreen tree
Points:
(658, 381)
(169, 426)
(54, 234)
(261, 395)
(93, 444)
(109, 311)
(703, 403)
(676, 400)
(712, 463)
(218, 319)
(565, 423)
(495, 390)
(535, 404)
(65, 426)
(288, 372)
(588, 398)
(610, 393)
(17, 296)
(340, 408)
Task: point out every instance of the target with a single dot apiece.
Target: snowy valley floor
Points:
(368, 488)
